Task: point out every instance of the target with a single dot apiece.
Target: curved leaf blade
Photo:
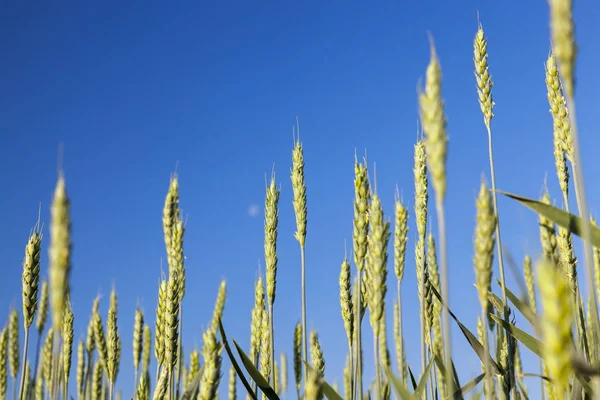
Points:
(236, 366)
(255, 374)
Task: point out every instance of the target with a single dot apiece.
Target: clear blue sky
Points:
(134, 90)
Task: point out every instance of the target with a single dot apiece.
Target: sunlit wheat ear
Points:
(563, 40)
(529, 282)
(161, 309)
(59, 253)
(3, 366)
(47, 356)
(284, 373)
(265, 347)
(376, 263)
(548, 234)
(348, 377)
(114, 343)
(68, 335)
(313, 386)
(31, 276)
(194, 365)
(80, 368)
(147, 348)
(13, 343)
(97, 381)
(176, 259)
(42, 308)
(232, 384)
(556, 323)
(219, 305)
(298, 356)
(361, 207)
(400, 238)
(256, 322)
(346, 300)
(434, 124)
(484, 243)
(271, 222)
(171, 323)
(138, 331)
(170, 211)
(316, 354)
(421, 182)
(99, 336)
(212, 366)
(482, 75)
(299, 190)
(90, 340)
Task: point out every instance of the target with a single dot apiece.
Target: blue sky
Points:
(133, 91)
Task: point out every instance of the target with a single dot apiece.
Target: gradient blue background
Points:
(134, 90)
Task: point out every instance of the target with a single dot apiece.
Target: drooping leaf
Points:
(236, 366)
(567, 220)
(473, 341)
(191, 389)
(528, 341)
(256, 375)
(523, 307)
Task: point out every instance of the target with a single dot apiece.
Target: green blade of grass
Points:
(401, 391)
(191, 389)
(412, 378)
(236, 366)
(255, 374)
(528, 341)
(440, 364)
(460, 393)
(475, 344)
(328, 391)
(523, 307)
(567, 220)
(423, 381)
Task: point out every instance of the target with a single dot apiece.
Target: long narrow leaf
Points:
(191, 389)
(524, 308)
(236, 366)
(528, 341)
(460, 393)
(567, 220)
(475, 344)
(442, 368)
(401, 390)
(423, 381)
(412, 378)
(256, 375)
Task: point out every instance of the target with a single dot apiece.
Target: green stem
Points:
(179, 353)
(304, 337)
(583, 209)
(376, 356)
(439, 203)
(421, 284)
(489, 379)
(357, 338)
(272, 340)
(401, 344)
(87, 384)
(25, 345)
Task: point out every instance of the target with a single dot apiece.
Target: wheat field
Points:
(557, 324)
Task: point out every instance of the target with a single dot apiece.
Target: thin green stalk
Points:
(422, 290)
(37, 351)
(357, 337)
(179, 353)
(272, 340)
(25, 345)
(400, 328)
(486, 345)
(304, 337)
(441, 219)
(377, 370)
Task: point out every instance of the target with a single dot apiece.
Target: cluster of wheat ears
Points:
(565, 334)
